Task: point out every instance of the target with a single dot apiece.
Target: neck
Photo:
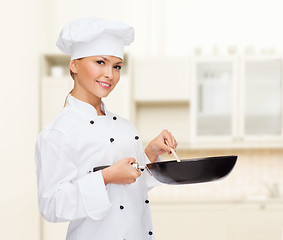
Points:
(88, 98)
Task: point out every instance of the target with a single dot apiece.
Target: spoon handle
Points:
(174, 153)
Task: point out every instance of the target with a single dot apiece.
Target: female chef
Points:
(111, 203)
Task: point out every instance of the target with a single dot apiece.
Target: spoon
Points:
(174, 153)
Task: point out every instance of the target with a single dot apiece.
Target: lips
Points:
(104, 84)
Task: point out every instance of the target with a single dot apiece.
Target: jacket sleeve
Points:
(61, 196)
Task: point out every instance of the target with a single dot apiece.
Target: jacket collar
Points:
(84, 107)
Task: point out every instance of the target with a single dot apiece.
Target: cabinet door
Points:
(259, 222)
(194, 221)
(161, 79)
(262, 97)
(152, 118)
(215, 96)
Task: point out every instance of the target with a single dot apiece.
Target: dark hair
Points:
(67, 97)
(72, 74)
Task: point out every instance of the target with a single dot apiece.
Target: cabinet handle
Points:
(262, 207)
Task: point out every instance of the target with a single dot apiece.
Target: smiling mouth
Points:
(103, 84)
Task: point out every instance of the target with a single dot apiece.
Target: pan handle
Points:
(95, 169)
(135, 165)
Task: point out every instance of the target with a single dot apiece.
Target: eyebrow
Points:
(106, 59)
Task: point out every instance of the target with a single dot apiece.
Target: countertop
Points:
(182, 200)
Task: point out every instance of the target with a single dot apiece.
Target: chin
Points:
(103, 95)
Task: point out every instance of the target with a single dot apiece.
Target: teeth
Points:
(104, 84)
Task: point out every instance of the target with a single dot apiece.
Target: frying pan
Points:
(188, 171)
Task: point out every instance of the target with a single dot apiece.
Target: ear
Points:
(73, 66)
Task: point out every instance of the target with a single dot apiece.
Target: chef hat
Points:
(95, 36)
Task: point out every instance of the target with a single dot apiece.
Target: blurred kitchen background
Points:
(209, 71)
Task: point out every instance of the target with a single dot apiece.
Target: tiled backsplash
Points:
(257, 173)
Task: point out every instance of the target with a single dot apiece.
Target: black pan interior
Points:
(196, 170)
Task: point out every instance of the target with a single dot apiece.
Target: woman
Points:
(111, 203)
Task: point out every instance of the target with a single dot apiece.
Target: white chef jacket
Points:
(67, 150)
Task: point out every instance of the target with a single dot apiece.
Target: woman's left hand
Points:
(158, 145)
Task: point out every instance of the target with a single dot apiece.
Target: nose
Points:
(108, 73)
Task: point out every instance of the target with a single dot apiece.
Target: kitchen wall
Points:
(20, 24)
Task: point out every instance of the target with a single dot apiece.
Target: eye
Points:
(118, 67)
(100, 62)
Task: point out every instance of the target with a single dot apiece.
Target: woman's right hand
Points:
(121, 172)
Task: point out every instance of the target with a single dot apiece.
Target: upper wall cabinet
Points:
(215, 86)
(213, 100)
(261, 97)
(161, 97)
(221, 102)
(161, 79)
(238, 100)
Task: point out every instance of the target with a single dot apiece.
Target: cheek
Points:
(89, 71)
(116, 77)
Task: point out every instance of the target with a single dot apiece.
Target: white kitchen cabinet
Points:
(152, 117)
(161, 97)
(191, 221)
(226, 220)
(261, 98)
(161, 79)
(259, 221)
(214, 94)
(236, 102)
(216, 102)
